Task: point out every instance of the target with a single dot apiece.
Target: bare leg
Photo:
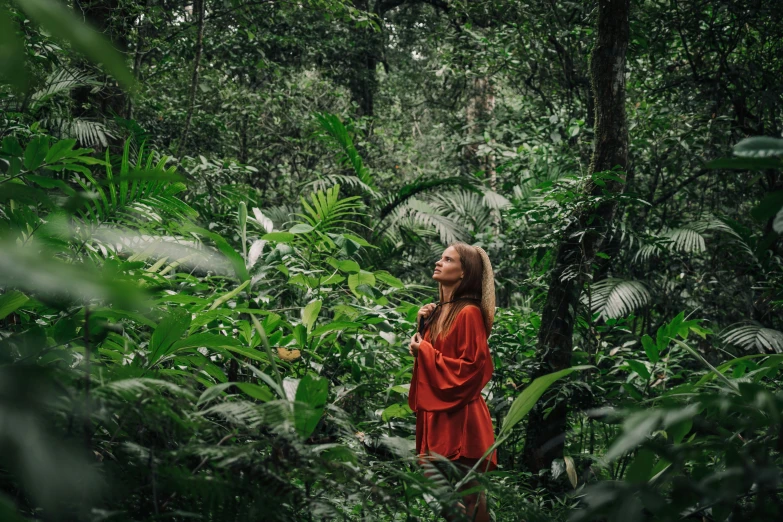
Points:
(475, 504)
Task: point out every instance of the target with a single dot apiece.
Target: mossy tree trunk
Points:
(583, 239)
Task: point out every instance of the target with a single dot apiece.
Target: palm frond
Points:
(332, 127)
(495, 201)
(89, 133)
(419, 214)
(757, 337)
(689, 238)
(327, 211)
(464, 206)
(61, 80)
(340, 179)
(282, 216)
(614, 298)
(412, 189)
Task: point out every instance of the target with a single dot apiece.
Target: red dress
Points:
(452, 418)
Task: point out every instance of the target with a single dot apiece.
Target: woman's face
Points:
(448, 269)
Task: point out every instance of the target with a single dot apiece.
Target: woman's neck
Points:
(447, 293)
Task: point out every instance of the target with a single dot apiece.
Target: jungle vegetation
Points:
(218, 219)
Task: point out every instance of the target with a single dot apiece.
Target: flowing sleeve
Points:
(442, 383)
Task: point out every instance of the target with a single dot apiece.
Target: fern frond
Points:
(614, 298)
(757, 337)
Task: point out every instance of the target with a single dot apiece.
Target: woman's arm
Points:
(442, 383)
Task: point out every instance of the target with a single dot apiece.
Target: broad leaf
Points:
(311, 397)
(11, 301)
(310, 314)
(167, 333)
(528, 398)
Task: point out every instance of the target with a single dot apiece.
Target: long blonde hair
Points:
(467, 293)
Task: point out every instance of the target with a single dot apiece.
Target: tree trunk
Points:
(545, 437)
(200, 8)
(111, 18)
(362, 77)
(478, 116)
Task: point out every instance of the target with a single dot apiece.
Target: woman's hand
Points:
(425, 311)
(415, 343)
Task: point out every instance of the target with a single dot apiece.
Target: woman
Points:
(453, 365)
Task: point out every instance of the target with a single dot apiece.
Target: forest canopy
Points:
(218, 221)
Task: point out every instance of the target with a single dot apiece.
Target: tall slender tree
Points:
(584, 237)
(199, 11)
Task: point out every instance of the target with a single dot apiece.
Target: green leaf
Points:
(650, 348)
(168, 176)
(345, 265)
(640, 469)
(250, 353)
(745, 164)
(167, 333)
(678, 431)
(228, 295)
(11, 301)
(236, 260)
(59, 150)
(362, 278)
(389, 279)
(731, 386)
(310, 399)
(300, 228)
(50, 183)
(213, 392)
(337, 325)
(23, 194)
(11, 147)
(528, 398)
(310, 314)
(256, 391)
(300, 334)
(639, 368)
(62, 24)
(35, 152)
(356, 239)
(769, 206)
(204, 340)
(759, 147)
(279, 237)
(399, 411)
(12, 54)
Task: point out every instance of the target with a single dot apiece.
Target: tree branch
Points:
(687, 181)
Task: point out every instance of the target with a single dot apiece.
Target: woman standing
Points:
(453, 364)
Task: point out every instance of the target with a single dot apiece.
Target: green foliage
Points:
(223, 335)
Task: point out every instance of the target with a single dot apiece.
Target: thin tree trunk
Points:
(141, 33)
(478, 116)
(200, 6)
(545, 437)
